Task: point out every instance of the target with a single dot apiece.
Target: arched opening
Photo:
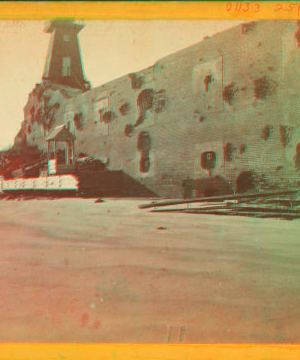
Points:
(208, 160)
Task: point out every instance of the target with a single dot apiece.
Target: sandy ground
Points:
(72, 270)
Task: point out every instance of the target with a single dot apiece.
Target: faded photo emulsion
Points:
(149, 178)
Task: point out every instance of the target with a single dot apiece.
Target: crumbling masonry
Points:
(218, 116)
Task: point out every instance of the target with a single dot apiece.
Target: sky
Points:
(110, 49)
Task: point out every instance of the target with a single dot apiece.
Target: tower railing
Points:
(79, 22)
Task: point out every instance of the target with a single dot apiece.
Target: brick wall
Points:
(235, 94)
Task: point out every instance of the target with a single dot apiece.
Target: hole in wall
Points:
(243, 148)
(229, 93)
(266, 132)
(247, 27)
(78, 121)
(228, 152)
(145, 99)
(207, 81)
(125, 109)
(208, 160)
(246, 181)
(145, 163)
(264, 87)
(285, 134)
(129, 129)
(204, 187)
(144, 146)
(145, 102)
(136, 81)
(109, 116)
(144, 141)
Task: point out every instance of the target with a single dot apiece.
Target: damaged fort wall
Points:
(42, 112)
(218, 116)
(238, 119)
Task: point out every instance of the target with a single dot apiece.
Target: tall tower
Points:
(63, 65)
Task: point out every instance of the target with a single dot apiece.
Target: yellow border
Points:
(149, 11)
(147, 351)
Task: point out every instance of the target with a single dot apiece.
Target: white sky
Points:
(110, 49)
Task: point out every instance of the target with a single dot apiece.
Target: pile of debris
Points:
(281, 204)
(21, 162)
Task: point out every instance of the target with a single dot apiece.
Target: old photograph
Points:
(149, 184)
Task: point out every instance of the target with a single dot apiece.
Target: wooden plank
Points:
(206, 207)
(220, 198)
(244, 213)
(283, 202)
(265, 208)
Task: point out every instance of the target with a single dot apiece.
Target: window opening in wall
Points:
(66, 38)
(144, 146)
(69, 121)
(208, 160)
(102, 106)
(207, 81)
(66, 66)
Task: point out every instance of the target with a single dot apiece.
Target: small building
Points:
(61, 151)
